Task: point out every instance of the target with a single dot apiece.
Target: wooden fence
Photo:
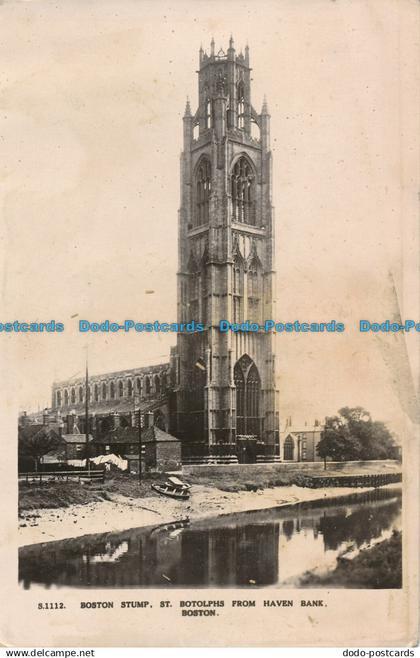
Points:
(347, 480)
(92, 475)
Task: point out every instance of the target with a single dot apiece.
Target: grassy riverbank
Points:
(54, 495)
(378, 567)
(63, 494)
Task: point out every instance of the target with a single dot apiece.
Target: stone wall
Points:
(235, 470)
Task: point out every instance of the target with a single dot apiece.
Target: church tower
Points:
(226, 399)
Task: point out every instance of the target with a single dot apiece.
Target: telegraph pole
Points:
(87, 414)
(140, 446)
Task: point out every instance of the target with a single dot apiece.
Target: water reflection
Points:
(264, 548)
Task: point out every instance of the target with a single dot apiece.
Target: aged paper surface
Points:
(94, 116)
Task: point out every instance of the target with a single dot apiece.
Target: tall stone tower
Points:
(225, 382)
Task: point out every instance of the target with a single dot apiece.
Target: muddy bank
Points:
(122, 512)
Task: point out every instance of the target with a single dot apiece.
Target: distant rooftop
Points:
(144, 370)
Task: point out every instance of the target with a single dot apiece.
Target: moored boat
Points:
(172, 491)
(179, 484)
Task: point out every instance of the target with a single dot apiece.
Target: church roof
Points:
(156, 435)
(30, 431)
(118, 405)
(144, 370)
(131, 435)
(76, 438)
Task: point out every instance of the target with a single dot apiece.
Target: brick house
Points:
(160, 451)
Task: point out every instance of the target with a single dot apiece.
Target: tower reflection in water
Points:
(250, 549)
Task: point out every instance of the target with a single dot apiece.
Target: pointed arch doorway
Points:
(248, 402)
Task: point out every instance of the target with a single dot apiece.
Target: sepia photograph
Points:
(210, 289)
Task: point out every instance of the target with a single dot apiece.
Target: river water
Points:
(256, 549)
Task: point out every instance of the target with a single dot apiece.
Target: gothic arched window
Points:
(130, 388)
(243, 192)
(73, 396)
(240, 96)
(208, 115)
(157, 384)
(254, 292)
(204, 297)
(203, 190)
(96, 392)
(112, 391)
(80, 393)
(248, 393)
(103, 391)
(240, 399)
(193, 289)
(58, 397)
(66, 397)
(147, 386)
(138, 384)
(120, 389)
(288, 449)
(238, 285)
(253, 387)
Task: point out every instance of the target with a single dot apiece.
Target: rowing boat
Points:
(168, 489)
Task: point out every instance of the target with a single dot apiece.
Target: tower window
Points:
(208, 115)
(254, 294)
(242, 191)
(237, 291)
(248, 393)
(193, 304)
(203, 190)
(204, 294)
(241, 106)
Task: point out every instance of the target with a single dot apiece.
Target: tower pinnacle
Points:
(264, 109)
(187, 112)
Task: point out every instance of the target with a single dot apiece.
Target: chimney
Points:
(70, 423)
(149, 419)
(24, 420)
(45, 417)
(116, 421)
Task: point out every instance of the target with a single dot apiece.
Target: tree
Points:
(35, 442)
(352, 435)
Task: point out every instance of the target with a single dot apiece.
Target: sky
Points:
(91, 102)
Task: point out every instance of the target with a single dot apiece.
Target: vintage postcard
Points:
(210, 323)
